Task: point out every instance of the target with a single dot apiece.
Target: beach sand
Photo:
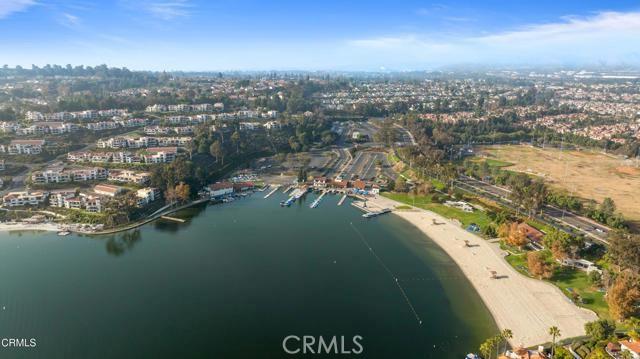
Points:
(52, 227)
(526, 306)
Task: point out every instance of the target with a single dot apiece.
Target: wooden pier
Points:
(180, 220)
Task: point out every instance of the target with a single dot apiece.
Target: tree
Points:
(554, 332)
(600, 329)
(400, 185)
(216, 151)
(506, 335)
(182, 192)
(624, 296)
(607, 207)
(512, 234)
(634, 327)
(235, 138)
(562, 353)
(170, 195)
(624, 250)
(562, 244)
(486, 348)
(538, 265)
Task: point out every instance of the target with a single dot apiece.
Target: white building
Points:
(220, 189)
(147, 195)
(24, 198)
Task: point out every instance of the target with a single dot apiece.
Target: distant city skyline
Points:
(192, 35)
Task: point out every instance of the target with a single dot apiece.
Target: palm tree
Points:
(486, 349)
(554, 332)
(506, 335)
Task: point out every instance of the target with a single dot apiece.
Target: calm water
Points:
(235, 280)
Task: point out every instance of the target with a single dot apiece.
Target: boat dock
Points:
(317, 201)
(341, 201)
(295, 195)
(289, 188)
(376, 213)
(180, 220)
(276, 188)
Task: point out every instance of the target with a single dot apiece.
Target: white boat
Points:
(64, 233)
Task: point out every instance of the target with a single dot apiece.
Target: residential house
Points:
(631, 346)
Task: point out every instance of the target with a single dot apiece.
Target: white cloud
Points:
(8, 7)
(169, 10)
(69, 20)
(606, 36)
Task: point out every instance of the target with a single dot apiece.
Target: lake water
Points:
(233, 282)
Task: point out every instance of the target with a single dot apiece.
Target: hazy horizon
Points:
(194, 35)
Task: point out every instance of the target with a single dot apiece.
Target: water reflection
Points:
(120, 243)
(187, 213)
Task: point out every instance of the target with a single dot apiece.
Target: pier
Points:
(295, 195)
(180, 220)
(317, 201)
(276, 188)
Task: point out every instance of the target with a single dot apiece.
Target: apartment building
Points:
(24, 198)
(159, 154)
(59, 174)
(23, 147)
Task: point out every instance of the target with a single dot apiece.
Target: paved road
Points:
(581, 224)
(364, 165)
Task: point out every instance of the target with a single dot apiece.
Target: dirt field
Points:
(585, 174)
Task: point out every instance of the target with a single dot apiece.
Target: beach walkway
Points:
(526, 306)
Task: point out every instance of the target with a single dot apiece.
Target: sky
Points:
(347, 35)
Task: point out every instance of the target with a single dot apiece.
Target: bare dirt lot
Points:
(584, 173)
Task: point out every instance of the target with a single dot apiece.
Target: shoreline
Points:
(19, 226)
(527, 306)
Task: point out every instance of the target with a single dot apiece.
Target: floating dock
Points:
(276, 188)
(317, 201)
(180, 220)
(295, 195)
(376, 213)
(341, 201)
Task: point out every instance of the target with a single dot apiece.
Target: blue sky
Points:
(317, 35)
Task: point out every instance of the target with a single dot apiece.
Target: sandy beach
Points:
(526, 306)
(53, 227)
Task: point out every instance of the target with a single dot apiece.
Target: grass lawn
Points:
(478, 217)
(497, 163)
(539, 226)
(570, 281)
(519, 262)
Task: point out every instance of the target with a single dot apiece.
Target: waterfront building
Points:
(24, 198)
